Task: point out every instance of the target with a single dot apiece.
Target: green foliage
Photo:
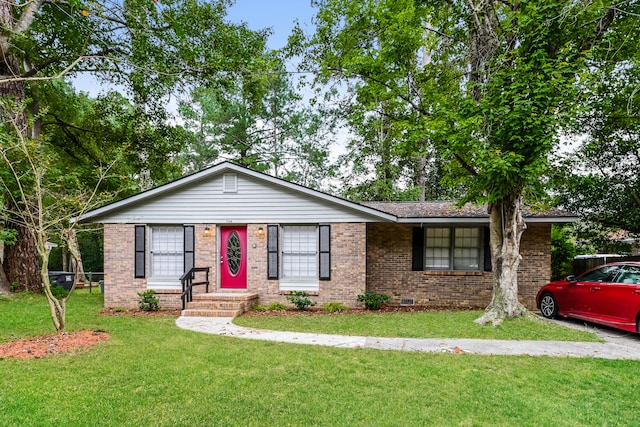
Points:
(272, 130)
(14, 287)
(274, 306)
(334, 307)
(563, 250)
(300, 300)
(599, 179)
(372, 300)
(59, 292)
(277, 306)
(148, 302)
(478, 90)
(490, 113)
(8, 237)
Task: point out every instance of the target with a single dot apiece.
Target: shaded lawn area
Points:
(152, 373)
(427, 324)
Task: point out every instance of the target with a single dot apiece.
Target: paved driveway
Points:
(617, 345)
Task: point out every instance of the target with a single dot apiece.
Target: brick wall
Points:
(348, 267)
(121, 288)
(535, 267)
(389, 255)
(385, 267)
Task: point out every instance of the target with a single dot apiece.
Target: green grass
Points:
(431, 324)
(152, 373)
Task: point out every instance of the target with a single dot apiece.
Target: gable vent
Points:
(229, 183)
(407, 301)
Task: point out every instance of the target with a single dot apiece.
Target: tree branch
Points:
(9, 79)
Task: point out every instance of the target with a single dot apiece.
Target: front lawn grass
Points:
(427, 324)
(150, 373)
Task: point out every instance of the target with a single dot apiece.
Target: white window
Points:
(466, 249)
(437, 248)
(167, 252)
(299, 252)
(453, 248)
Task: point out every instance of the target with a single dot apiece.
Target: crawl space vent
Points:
(407, 301)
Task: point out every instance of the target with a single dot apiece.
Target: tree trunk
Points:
(21, 259)
(57, 308)
(64, 255)
(421, 179)
(71, 239)
(5, 285)
(506, 228)
(21, 262)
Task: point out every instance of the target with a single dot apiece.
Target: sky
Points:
(279, 15)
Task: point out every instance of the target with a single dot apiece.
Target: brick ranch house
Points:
(261, 237)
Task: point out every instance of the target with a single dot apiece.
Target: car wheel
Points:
(549, 306)
(638, 323)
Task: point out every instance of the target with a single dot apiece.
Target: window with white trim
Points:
(437, 248)
(299, 251)
(453, 248)
(167, 251)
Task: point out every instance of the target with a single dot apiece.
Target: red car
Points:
(608, 295)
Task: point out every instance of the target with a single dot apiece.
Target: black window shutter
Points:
(487, 250)
(325, 252)
(140, 252)
(272, 252)
(417, 259)
(189, 247)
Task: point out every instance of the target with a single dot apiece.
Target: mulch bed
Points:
(46, 345)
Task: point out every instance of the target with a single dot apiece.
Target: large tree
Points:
(600, 178)
(507, 73)
(43, 199)
(149, 49)
(274, 131)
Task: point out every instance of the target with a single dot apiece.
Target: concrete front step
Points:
(195, 312)
(220, 304)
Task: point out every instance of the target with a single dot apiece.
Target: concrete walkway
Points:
(618, 345)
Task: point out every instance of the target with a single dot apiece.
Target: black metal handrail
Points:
(187, 281)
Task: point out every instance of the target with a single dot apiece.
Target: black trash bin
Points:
(62, 278)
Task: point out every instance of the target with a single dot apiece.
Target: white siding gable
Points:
(255, 200)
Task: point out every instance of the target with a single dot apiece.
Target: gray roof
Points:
(438, 210)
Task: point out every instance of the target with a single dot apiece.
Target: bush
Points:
(334, 307)
(373, 301)
(148, 302)
(277, 306)
(274, 306)
(300, 299)
(59, 292)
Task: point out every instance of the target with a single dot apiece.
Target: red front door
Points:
(233, 257)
